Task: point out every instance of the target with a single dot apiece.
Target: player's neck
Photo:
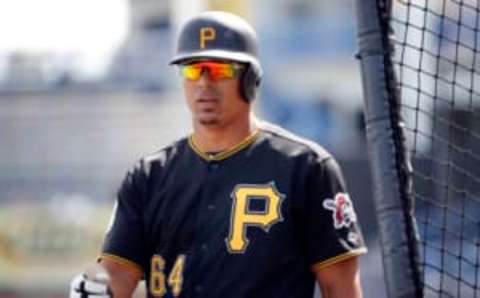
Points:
(219, 139)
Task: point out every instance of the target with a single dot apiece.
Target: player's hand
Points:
(91, 284)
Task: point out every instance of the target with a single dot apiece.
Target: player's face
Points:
(212, 90)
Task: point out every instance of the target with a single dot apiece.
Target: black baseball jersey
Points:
(249, 222)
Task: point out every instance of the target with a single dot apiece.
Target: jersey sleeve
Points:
(332, 232)
(125, 238)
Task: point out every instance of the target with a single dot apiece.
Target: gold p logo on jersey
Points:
(207, 34)
(242, 217)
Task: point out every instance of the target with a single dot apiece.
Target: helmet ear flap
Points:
(249, 83)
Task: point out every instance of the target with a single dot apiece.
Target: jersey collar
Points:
(227, 153)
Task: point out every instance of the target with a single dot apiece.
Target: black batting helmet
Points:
(222, 35)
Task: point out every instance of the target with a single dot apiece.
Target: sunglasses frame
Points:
(236, 66)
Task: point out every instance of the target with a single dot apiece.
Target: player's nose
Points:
(205, 79)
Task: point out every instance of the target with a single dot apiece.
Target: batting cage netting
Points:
(427, 52)
(438, 66)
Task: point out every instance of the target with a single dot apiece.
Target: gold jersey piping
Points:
(130, 265)
(339, 258)
(227, 153)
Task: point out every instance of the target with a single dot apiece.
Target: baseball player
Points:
(240, 208)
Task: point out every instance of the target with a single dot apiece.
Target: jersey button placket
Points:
(204, 219)
(213, 166)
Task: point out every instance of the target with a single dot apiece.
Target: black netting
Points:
(438, 67)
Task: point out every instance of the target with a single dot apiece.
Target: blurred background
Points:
(85, 90)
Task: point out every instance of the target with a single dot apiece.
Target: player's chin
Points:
(208, 119)
(210, 122)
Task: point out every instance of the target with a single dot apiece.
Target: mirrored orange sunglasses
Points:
(216, 70)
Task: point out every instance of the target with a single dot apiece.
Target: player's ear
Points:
(249, 82)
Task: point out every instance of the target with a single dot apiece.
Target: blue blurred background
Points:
(85, 90)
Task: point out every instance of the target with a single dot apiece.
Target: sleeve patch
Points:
(343, 213)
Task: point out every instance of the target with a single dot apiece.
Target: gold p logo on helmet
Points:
(206, 34)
